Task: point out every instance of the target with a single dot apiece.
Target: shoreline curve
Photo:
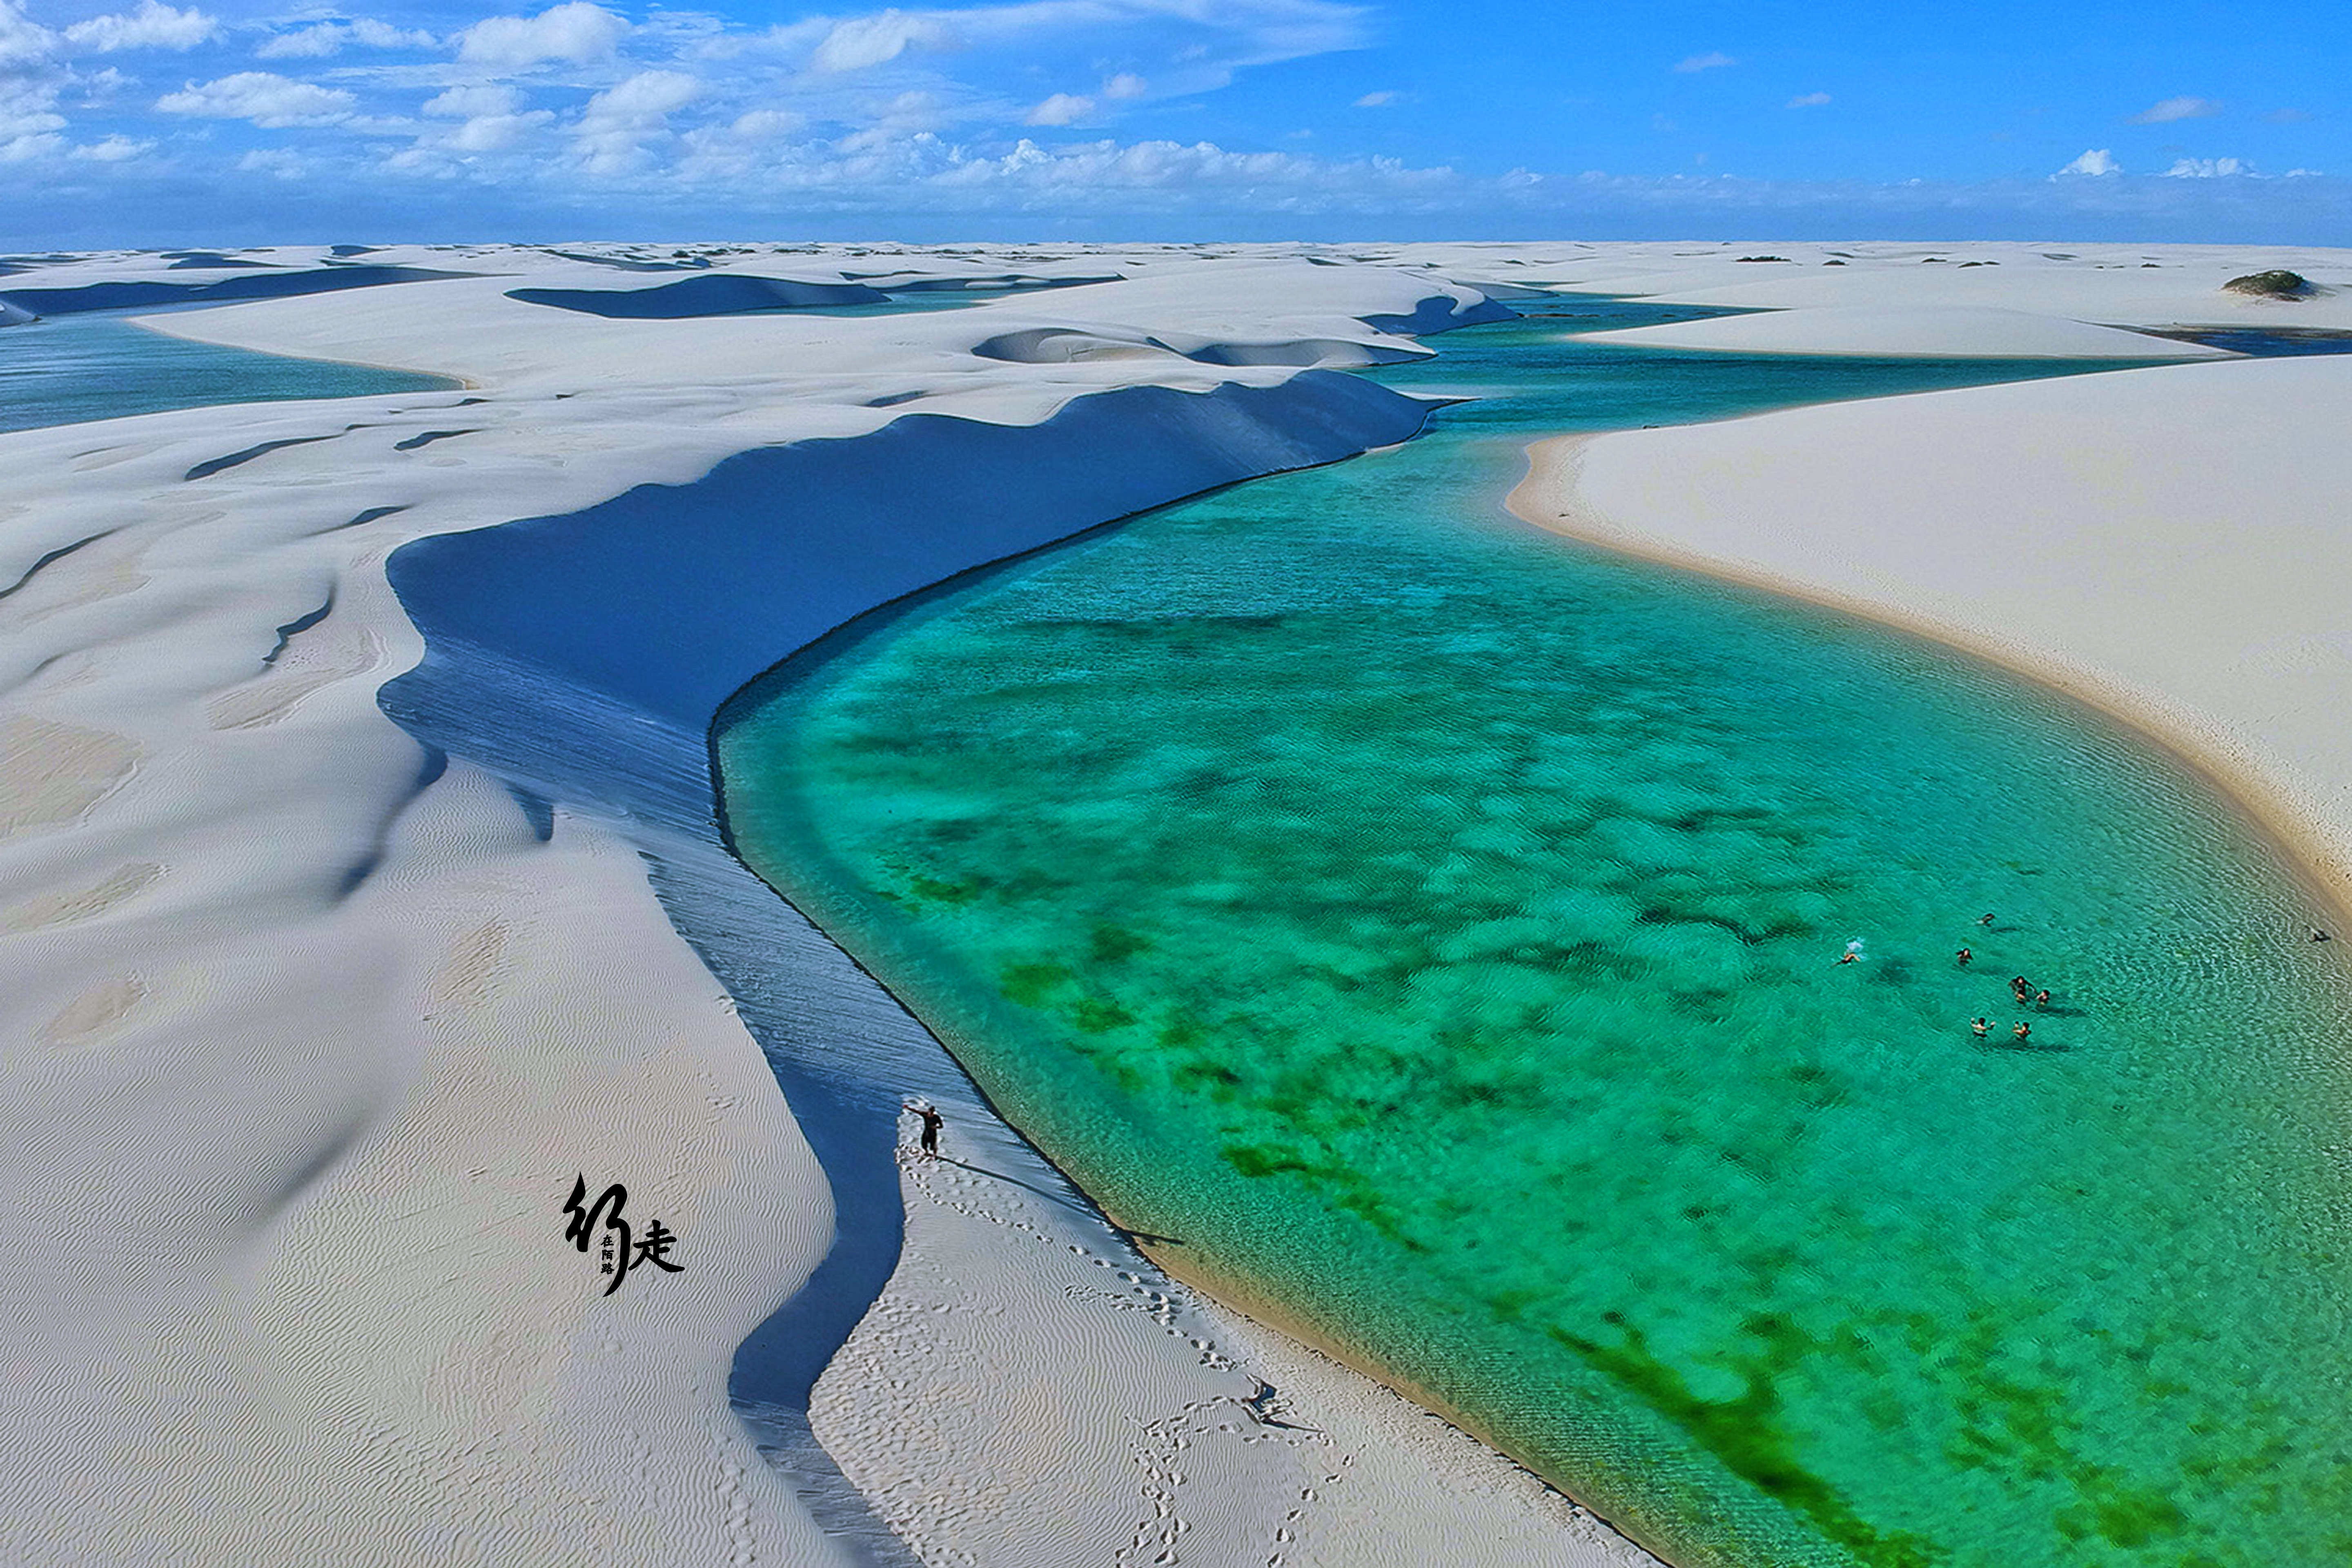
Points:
(1549, 496)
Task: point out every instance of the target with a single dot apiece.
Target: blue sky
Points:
(228, 121)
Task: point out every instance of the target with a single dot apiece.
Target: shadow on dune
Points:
(586, 661)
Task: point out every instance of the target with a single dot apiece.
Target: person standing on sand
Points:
(932, 1122)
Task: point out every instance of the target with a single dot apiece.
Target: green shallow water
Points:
(1431, 928)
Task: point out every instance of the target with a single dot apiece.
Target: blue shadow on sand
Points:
(585, 660)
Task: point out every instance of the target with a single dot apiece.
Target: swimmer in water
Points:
(1984, 920)
(2041, 1000)
(2024, 1031)
(1979, 1027)
(1964, 956)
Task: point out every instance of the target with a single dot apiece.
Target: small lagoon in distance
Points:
(68, 369)
(1429, 927)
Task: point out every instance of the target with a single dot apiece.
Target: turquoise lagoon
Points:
(1429, 929)
(101, 366)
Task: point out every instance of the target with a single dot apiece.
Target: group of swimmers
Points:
(2020, 987)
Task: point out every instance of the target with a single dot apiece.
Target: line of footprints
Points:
(1257, 1419)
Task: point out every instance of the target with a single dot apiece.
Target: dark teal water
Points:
(73, 368)
(1430, 928)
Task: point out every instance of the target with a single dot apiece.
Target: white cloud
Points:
(575, 32)
(30, 81)
(329, 38)
(2206, 169)
(2098, 160)
(113, 150)
(1125, 85)
(1203, 42)
(647, 94)
(1380, 99)
(265, 98)
(906, 115)
(24, 146)
(152, 26)
(469, 102)
(739, 151)
(764, 125)
(614, 128)
(1283, 180)
(1060, 110)
(864, 41)
(498, 132)
(2173, 108)
(1706, 62)
(1809, 100)
(275, 161)
(23, 41)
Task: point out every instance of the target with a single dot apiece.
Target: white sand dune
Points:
(2171, 544)
(1947, 332)
(2140, 286)
(307, 1038)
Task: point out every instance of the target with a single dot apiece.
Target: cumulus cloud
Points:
(470, 102)
(23, 146)
(2172, 108)
(863, 41)
(2206, 169)
(1282, 180)
(498, 132)
(647, 94)
(1061, 110)
(327, 39)
(23, 41)
(276, 162)
(1715, 61)
(576, 32)
(97, 85)
(1202, 42)
(910, 114)
(30, 81)
(152, 26)
(113, 150)
(1125, 85)
(1809, 100)
(267, 99)
(2098, 160)
(612, 134)
(764, 124)
(1380, 99)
